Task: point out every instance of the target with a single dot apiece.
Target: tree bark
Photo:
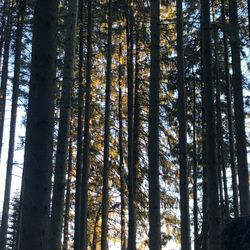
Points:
(105, 190)
(153, 149)
(86, 142)
(184, 193)
(39, 133)
(56, 220)
(239, 115)
(211, 158)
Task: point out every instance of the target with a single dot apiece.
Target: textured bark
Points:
(5, 69)
(230, 116)
(239, 114)
(153, 147)
(79, 132)
(184, 192)
(68, 200)
(39, 133)
(211, 157)
(86, 142)
(121, 166)
(15, 93)
(105, 189)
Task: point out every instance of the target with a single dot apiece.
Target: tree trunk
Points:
(184, 193)
(15, 93)
(2, 27)
(211, 158)
(153, 147)
(121, 166)
(68, 200)
(56, 220)
(5, 69)
(79, 133)
(39, 133)
(229, 116)
(105, 190)
(86, 143)
(239, 114)
(130, 73)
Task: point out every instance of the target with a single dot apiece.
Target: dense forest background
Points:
(131, 117)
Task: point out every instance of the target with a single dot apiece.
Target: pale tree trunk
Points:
(211, 158)
(239, 115)
(153, 147)
(184, 193)
(39, 133)
(105, 189)
(15, 93)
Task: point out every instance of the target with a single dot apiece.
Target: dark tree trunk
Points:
(39, 133)
(211, 158)
(153, 147)
(241, 150)
(130, 73)
(5, 69)
(79, 133)
(86, 142)
(15, 93)
(229, 116)
(56, 220)
(121, 166)
(105, 190)
(68, 200)
(184, 193)
(2, 27)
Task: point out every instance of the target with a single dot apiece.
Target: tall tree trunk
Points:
(39, 133)
(5, 69)
(68, 199)
(15, 93)
(229, 116)
(105, 190)
(86, 146)
(79, 133)
(211, 158)
(121, 166)
(153, 147)
(2, 27)
(195, 196)
(130, 73)
(239, 114)
(184, 193)
(57, 209)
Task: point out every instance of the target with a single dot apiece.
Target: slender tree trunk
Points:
(153, 147)
(86, 146)
(79, 133)
(68, 200)
(105, 190)
(184, 193)
(5, 69)
(121, 166)
(239, 114)
(39, 133)
(211, 158)
(219, 127)
(15, 93)
(195, 196)
(229, 116)
(56, 223)
(130, 72)
(2, 28)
